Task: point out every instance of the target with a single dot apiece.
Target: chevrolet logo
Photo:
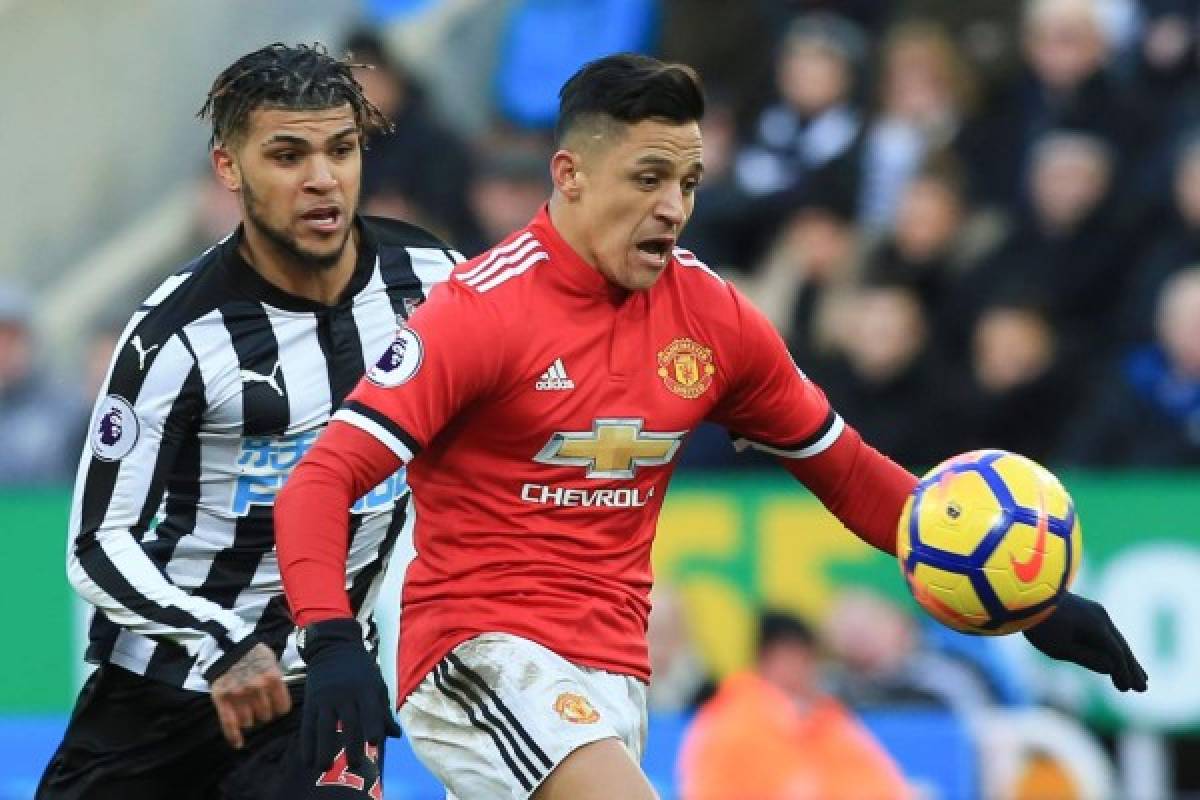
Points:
(613, 448)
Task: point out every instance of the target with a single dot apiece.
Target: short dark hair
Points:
(629, 88)
(278, 76)
(776, 626)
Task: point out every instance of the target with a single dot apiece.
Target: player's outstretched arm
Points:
(773, 407)
(860, 486)
(1080, 631)
(343, 685)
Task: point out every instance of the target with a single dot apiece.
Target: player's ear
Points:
(226, 168)
(566, 172)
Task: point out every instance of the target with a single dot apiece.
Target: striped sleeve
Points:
(150, 405)
(432, 266)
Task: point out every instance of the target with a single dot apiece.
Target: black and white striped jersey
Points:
(219, 384)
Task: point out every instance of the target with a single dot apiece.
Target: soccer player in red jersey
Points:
(541, 396)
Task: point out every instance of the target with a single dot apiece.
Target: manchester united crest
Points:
(576, 708)
(686, 368)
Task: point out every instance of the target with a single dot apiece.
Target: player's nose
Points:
(320, 177)
(670, 207)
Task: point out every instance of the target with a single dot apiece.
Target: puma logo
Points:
(270, 379)
(142, 352)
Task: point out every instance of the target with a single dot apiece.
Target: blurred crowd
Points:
(848, 707)
(975, 224)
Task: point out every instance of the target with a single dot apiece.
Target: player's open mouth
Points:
(656, 250)
(323, 219)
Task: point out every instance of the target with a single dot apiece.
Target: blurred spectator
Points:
(814, 128)
(1022, 391)
(724, 231)
(1148, 413)
(1169, 50)
(986, 30)
(1071, 249)
(40, 445)
(1176, 245)
(927, 96)
(886, 381)
(869, 15)
(419, 171)
(712, 36)
(773, 733)
(681, 680)
(879, 648)
(1068, 85)
(812, 265)
(509, 186)
(934, 240)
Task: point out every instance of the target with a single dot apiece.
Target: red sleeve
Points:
(311, 518)
(863, 488)
(769, 402)
(772, 406)
(449, 354)
(441, 362)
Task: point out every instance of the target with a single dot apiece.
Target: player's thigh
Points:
(500, 713)
(133, 738)
(598, 771)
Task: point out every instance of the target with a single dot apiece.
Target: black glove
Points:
(343, 686)
(1081, 631)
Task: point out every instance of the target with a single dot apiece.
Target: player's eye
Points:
(286, 157)
(690, 185)
(647, 180)
(343, 150)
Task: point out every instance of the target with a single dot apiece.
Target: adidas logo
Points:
(554, 379)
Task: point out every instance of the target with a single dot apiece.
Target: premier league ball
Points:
(988, 542)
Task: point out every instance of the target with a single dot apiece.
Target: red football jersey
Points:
(543, 409)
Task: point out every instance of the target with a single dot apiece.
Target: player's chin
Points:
(642, 273)
(322, 255)
(323, 242)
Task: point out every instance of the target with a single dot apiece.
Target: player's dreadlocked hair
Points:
(629, 88)
(295, 78)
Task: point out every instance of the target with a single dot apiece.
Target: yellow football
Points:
(988, 542)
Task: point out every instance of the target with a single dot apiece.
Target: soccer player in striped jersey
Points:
(220, 383)
(540, 398)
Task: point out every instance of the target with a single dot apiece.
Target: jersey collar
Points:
(568, 269)
(247, 279)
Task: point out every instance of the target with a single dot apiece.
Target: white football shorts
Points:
(499, 712)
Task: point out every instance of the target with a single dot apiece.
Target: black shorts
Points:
(136, 739)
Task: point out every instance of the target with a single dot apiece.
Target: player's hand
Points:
(251, 692)
(1080, 631)
(343, 687)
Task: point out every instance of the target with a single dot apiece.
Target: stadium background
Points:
(988, 309)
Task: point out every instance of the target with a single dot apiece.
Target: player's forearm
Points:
(863, 488)
(312, 519)
(109, 569)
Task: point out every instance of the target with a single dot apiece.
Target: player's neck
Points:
(282, 269)
(572, 231)
(566, 226)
